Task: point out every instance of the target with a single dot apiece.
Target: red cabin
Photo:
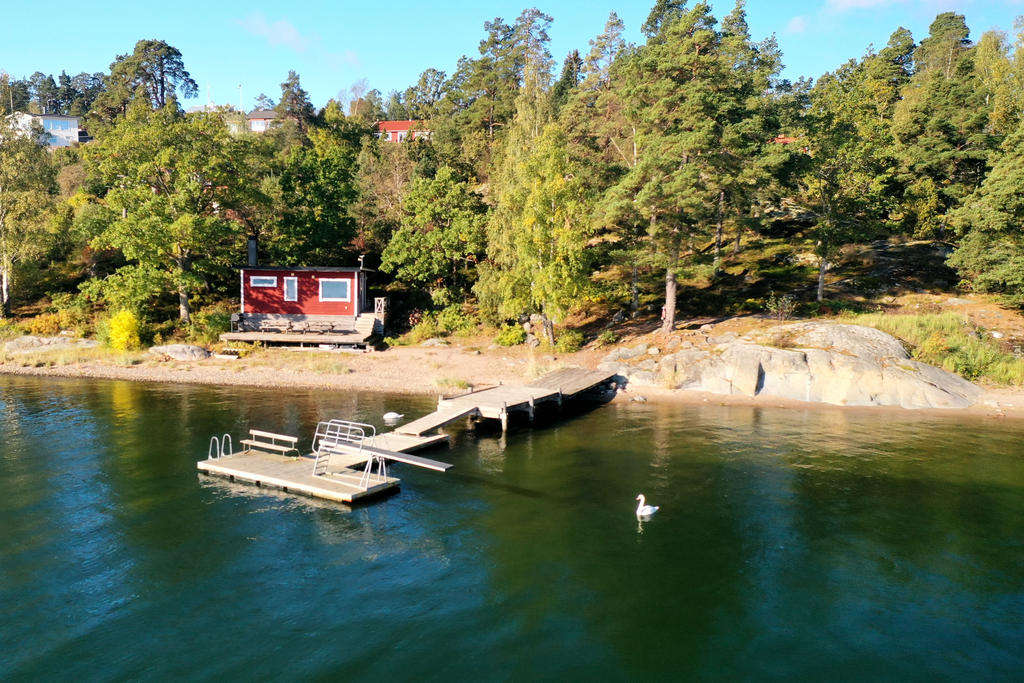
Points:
(303, 291)
(305, 304)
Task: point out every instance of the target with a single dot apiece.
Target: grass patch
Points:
(452, 383)
(949, 341)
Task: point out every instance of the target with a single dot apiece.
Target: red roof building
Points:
(400, 131)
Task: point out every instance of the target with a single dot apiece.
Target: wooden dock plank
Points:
(434, 420)
(495, 402)
(290, 474)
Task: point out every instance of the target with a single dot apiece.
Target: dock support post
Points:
(503, 416)
(531, 410)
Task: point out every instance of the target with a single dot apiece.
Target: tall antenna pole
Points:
(240, 107)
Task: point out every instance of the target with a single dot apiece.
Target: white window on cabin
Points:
(335, 290)
(262, 281)
(402, 135)
(291, 289)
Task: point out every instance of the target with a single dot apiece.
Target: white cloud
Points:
(796, 25)
(847, 5)
(280, 32)
(283, 32)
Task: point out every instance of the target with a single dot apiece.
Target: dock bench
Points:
(269, 441)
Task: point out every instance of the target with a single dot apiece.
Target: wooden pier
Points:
(349, 460)
(499, 402)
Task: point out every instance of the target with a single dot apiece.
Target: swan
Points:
(644, 511)
(393, 416)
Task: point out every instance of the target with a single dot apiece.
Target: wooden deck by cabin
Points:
(313, 330)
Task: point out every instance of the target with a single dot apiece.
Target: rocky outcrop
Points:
(33, 344)
(819, 362)
(180, 352)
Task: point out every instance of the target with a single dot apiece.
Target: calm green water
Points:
(796, 545)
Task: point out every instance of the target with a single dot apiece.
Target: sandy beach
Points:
(439, 370)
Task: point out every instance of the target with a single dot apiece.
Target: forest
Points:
(679, 177)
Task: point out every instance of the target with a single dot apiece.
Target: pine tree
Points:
(990, 257)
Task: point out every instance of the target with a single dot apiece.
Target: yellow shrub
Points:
(124, 331)
(43, 325)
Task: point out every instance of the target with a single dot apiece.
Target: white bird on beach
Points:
(391, 416)
(644, 511)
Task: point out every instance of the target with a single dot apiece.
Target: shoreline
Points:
(447, 370)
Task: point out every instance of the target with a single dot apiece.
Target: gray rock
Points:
(642, 378)
(997, 335)
(639, 350)
(532, 341)
(672, 343)
(653, 351)
(955, 301)
(180, 351)
(649, 364)
(825, 363)
(620, 316)
(33, 344)
(723, 339)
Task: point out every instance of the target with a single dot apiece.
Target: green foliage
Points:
(208, 324)
(781, 307)
(825, 307)
(124, 331)
(453, 320)
(607, 338)
(440, 238)
(426, 328)
(569, 341)
(172, 180)
(27, 182)
(511, 335)
(537, 236)
(990, 258)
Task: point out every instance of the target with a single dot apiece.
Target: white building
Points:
(58, 130)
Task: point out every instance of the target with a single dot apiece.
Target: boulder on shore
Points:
(31, 344)
(819, 362)
(181, 351)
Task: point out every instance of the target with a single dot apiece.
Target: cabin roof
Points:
(331, 269)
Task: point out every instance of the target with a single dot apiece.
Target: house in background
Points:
(260, 120)
(400, 131)
(58, 130)
(306, 305)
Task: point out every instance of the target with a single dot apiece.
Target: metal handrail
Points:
(334, 432)
(219, 448)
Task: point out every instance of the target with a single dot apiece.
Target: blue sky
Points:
(333, 45)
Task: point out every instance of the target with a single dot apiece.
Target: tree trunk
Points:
(184, 309)
(718, 232)
(634, 305)
(668, 314)
(549, 329)
(5, 291)
(822, 269)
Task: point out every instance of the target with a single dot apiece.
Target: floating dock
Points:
(349, 460)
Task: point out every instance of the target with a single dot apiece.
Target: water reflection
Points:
(788, 544)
